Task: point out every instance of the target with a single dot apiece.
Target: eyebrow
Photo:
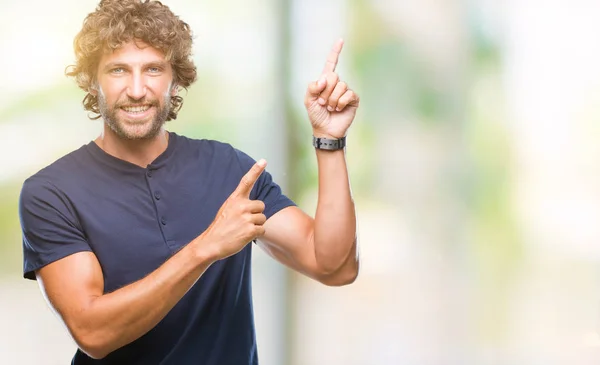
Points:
(113, 65)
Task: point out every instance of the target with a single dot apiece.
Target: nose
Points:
(137, 87)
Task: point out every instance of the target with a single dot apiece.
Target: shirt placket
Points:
(158, 200)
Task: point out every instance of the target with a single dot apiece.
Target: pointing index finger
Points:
(333, 57)
(248, 180)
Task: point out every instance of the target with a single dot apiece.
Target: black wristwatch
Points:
(329, 144)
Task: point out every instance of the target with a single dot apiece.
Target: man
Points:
(139, 239)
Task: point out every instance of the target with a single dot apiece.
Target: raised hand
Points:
(239, 220)
(330, 104)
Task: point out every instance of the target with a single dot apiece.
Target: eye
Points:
(117, 70)
(154, 70)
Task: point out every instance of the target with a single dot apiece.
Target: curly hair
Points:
(116, 22)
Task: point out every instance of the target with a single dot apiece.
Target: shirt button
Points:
(157, 195)
(149, 173)
(163, 221)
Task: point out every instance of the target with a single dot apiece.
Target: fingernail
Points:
(262, 162)
(330, 108)
(322, 80)
(338, 109)
(321, 101)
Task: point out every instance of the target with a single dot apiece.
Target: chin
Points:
(137, 131)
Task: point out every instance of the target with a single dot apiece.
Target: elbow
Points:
(93, 349)
(97, 339)
(343, 281)
(345, 275)
(91, 344)
(95, 353)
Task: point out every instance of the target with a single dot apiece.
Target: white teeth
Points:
(136, 109)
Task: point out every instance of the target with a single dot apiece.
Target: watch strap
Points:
(329, 144)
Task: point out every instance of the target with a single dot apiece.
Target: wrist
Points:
(321, 134)
(204, 250)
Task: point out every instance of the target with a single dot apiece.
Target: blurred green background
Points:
(474, 160)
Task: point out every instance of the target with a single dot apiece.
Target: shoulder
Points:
(49, 179)
(67, 165)
(219, 151)
(190, 143)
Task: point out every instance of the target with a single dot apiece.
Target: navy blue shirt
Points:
(133, 219)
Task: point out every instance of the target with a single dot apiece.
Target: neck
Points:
(140, 152)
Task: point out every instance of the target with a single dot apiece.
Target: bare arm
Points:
(324, 248)
(101, 323)
(335, 218)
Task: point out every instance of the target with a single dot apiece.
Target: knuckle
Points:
(237, 208)
(230, 203)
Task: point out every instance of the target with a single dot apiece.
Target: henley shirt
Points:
(133, 219)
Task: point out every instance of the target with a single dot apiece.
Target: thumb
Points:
(316, 88)
(248, 180)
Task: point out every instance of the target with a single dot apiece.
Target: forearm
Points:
(113, 320)
(335, 219)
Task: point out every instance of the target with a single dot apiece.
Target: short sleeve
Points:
(49, 226)
(265, 188)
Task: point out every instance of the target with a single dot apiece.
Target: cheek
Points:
(165, 90)
(157, 87)
(111, 92)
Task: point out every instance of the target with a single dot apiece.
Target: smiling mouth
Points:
(137, 109)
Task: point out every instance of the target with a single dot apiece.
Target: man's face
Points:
(134, 89)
